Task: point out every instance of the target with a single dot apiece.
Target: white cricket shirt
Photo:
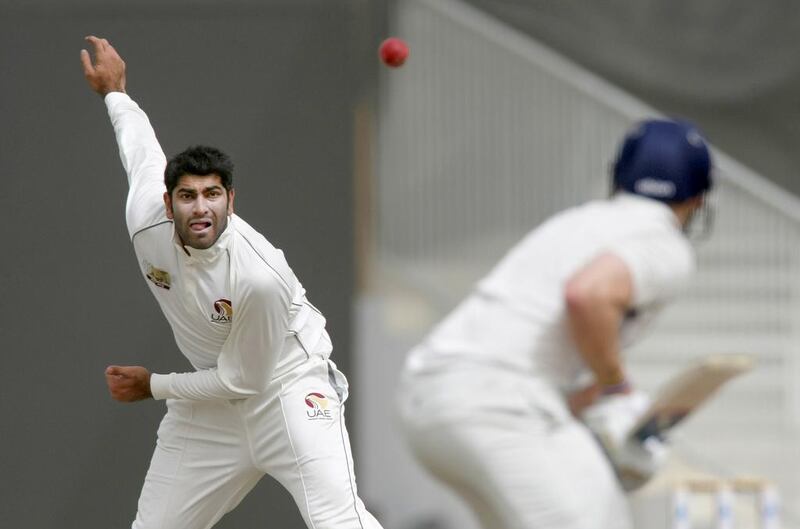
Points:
(238, 313)
(515, 319)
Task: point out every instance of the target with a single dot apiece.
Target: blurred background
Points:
(391, 191)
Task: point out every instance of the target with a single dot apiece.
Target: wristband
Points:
(613, 389)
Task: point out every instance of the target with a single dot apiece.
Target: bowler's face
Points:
(199, 207)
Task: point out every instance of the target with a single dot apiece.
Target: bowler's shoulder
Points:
(257, 261)
(156, 231)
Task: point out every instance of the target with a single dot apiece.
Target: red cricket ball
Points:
(393, 52)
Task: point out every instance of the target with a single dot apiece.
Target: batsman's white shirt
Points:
(264, 397)
(515, 319)
(482, 398)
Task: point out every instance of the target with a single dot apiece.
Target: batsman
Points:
(494, 403)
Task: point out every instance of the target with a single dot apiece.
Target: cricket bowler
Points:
(264, 397)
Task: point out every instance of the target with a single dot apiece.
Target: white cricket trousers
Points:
(510, 448)
(210, 454)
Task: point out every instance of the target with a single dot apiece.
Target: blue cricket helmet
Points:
(665, 160)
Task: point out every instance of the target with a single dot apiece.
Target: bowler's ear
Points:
(231, 196)
(168, 205)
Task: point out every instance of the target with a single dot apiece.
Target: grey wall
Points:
(272, 83)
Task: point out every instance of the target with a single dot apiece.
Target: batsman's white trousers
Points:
(210, 454)
(511, 449)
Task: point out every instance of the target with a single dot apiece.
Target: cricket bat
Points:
(683, 394)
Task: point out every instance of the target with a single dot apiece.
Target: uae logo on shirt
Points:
(223, 311)
(318, 407)
(160, 278)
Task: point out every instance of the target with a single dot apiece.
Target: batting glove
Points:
(611, 418)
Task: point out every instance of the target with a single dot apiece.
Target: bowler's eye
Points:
(214, 193)
(184, 196)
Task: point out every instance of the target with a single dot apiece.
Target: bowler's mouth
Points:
(199, 226)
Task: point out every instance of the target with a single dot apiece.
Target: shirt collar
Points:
(651, 204)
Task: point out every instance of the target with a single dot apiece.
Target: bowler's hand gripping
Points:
(611, 418)
(128, 383)
(107, 74)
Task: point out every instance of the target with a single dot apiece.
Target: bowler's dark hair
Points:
(202, 161)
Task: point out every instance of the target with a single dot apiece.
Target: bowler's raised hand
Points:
(107, 72)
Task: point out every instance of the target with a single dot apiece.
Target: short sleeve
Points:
(660, 264)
